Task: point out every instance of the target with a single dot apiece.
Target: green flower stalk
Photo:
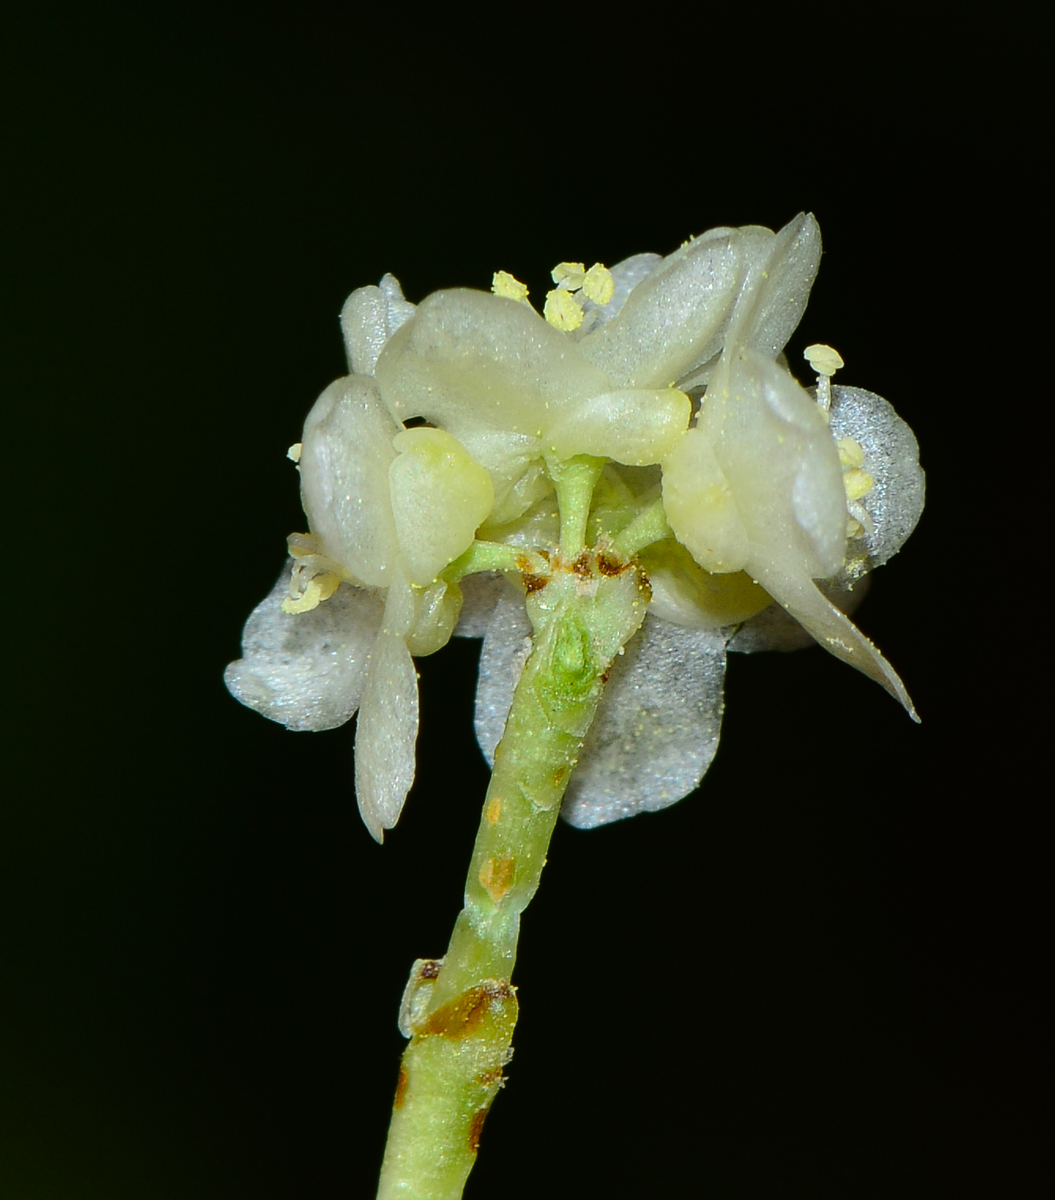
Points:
(613, 495)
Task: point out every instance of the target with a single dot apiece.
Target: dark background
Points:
(782, 986)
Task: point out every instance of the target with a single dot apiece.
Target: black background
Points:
(779, 987)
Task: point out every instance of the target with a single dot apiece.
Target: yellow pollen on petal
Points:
(293, 453)
(598, 285)
(562, 311)
(857, 483)
(506, 285)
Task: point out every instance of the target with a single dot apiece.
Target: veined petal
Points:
(657, 727)
(306, 670)
(386, 734)
(369, 318)
(674, 317)
(344, 462)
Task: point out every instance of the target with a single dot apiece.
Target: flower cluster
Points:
(754, 506)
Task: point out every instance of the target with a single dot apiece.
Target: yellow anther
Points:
(293, 452)
(568, 275)
(598, 285)
(504, 284)
(318, 589)
(823, 359)
(850, 453)
(562, 311)
(857, 483)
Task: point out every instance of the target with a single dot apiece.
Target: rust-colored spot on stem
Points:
(534, 583)
(582, 566)
(609, 565)
(558, 775)
(430, 969)
(496, 876)
(494, 810)
(476, 1127)
(401, 1087)
(464, 1014)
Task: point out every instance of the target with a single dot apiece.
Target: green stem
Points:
(462, 1025)
(650, 525)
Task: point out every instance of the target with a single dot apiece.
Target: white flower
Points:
(760, 488)
(389, 508)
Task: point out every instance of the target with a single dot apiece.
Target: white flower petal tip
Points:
(369, 318)
(835, 631)
(386, 735)
(306, 671)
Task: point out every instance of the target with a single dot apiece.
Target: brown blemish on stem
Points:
(476, 1126)
(605, 673)
(534, 583)
(558, 775)
(464, 1014)
(496, 876)
(494, 810)
(608, 564)
(430, 969)
(401, 1087)
(582, 566)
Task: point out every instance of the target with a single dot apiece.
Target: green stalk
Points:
(462, 1014)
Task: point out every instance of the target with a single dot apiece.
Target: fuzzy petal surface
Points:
(307, 671)
(657, 728)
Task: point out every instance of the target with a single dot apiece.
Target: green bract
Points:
(728, 483)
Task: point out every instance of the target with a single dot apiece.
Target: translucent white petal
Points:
(631, 426)
(782, 466)
(892, 459)
(369, 318)
(507, 644)
(834, 631)
(480, 594)
(780, 270)
(776, 629)
(386, 733)
(657, 728)
(344, 462)
(626, 275)
(469, 361)
(686, 594)
(308, 670)
(674, 317)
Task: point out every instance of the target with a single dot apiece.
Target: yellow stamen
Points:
(598, 285)
(504, 284)
(562, 311)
